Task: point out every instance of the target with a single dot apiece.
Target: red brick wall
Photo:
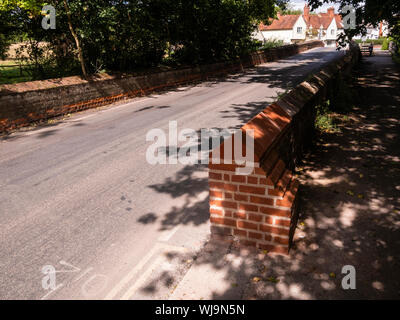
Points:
(251, 208)
(24, 103)
(260, 209)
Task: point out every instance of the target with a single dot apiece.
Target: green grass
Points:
(271, 44)
(385, 44)
(10, 73)
(324, 121)
(381, 40)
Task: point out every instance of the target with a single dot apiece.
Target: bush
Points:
(324, 121)
(385, 44)
(379, 41)
(126, 36)
(273, 43)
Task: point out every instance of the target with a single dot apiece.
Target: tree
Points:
(369, 12)
(76, 38)
(289, 9)
(127, 35)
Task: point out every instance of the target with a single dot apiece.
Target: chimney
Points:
(331, 12)
(306, 13)
(380, 29)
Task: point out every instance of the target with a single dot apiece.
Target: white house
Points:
(382, 30)
(295, 28)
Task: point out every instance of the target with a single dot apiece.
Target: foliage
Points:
(324, 121)
(212, 30)
(370, 12)
(120, 35)
(385, 44)
(272, 43)
(287, 8)
(373, 41)
(5, 38)
(13, 73)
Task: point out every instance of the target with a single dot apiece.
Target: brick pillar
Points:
(256, 209)
(260, 209)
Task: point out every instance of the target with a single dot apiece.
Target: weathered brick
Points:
(223, 186)
(236, 178)
(223, 221)
(255, 217)
(251, 190)
(217, 194)
(223, 204)
(261, 200)
(275, 230)
(277, 222)
(281, 240)
(252, 180)
(255, 235)
(217, 211)
(240, 215)
(215, 176)
(248, 207)
(241, 233)
(276, 212)
(228, 195)
(247, 225)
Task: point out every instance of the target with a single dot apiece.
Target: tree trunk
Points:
(78, 44)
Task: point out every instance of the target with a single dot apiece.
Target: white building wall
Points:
(257, 35)
(331, 34)
(300, 23)
(284, 35)
(331, 31)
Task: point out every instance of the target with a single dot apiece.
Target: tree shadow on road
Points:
(349, 213)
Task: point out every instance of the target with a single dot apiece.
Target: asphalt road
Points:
(80, 196)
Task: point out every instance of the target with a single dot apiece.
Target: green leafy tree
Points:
(127, 35)
(369, 12)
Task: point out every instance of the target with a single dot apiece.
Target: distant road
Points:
(82, 192)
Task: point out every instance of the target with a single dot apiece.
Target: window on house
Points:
(299, 29)
(333, 32)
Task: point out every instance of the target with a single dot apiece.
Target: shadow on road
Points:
(349, 212)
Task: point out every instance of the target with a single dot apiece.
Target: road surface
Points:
(79, 196)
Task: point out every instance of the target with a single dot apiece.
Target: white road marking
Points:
(83, 274)
(111, 295)
(142, 279)
(167, 235)
(51, 292)
(117, 289)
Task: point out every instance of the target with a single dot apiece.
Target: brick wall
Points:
(251, 208)
(260, 209)
(24, 103)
